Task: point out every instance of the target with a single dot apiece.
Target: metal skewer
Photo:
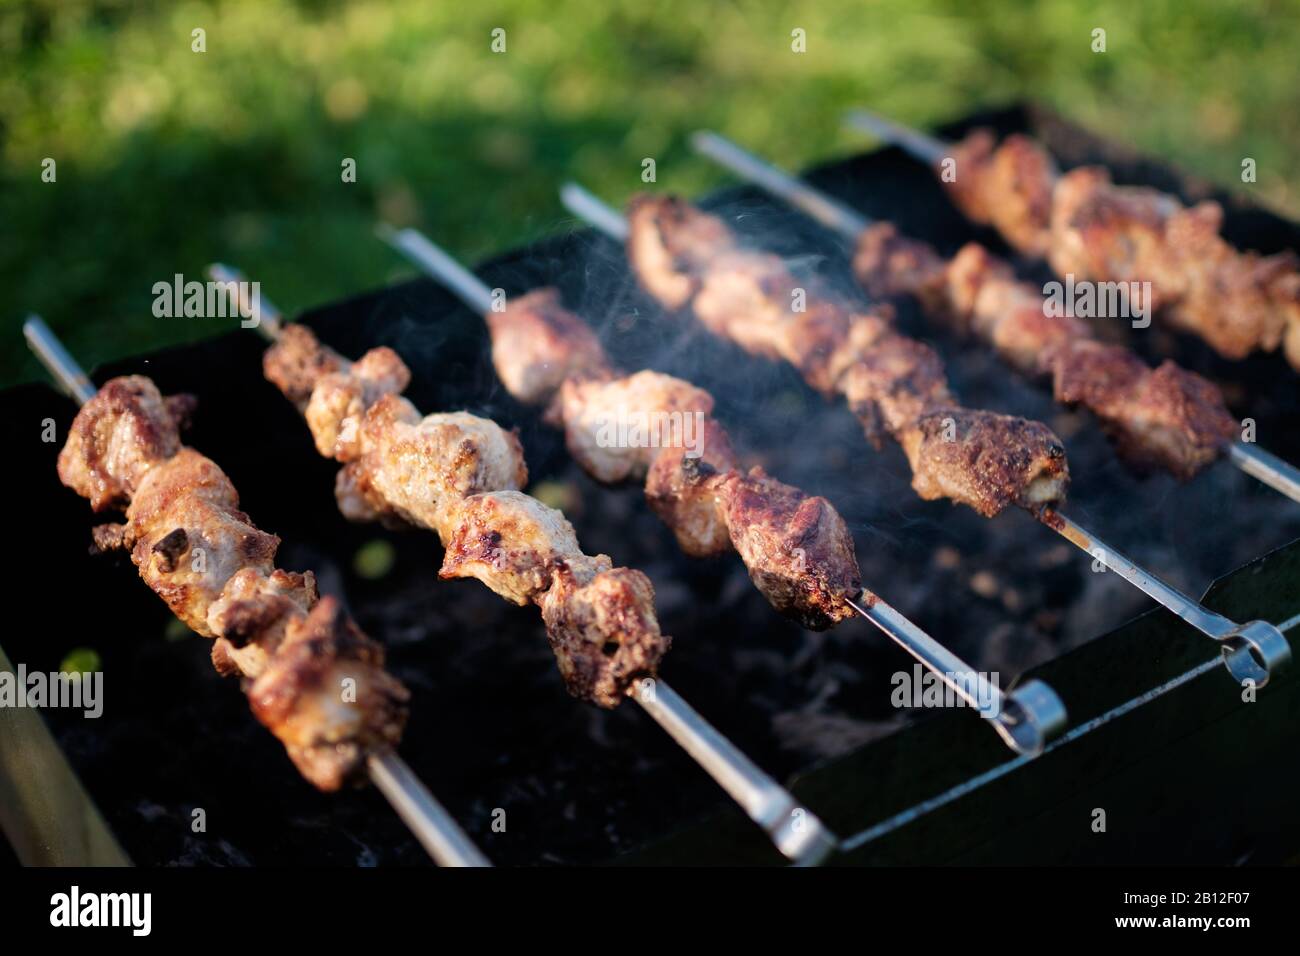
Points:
(1251, 651)
(796, 831)
(1025, 718)
(1267, 468)
(928, 149)
(432, 825)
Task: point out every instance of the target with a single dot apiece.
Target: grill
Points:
(1158, 733)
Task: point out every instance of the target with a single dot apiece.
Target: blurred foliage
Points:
(168, 159)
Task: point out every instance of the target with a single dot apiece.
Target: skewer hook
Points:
(1251, 652)
(1026, 718)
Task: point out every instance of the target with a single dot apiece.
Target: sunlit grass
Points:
(168, 159)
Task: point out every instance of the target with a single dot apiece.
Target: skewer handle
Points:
(830, 213)
(1251, 651)
(57, 360)
(794, 829)
(468, 287)
(1026, 718)
(928, 149)
(1262, 466)
(432, 825)
(270, 319)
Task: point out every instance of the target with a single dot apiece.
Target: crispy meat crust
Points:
(986, 461)
(798, 550)
(1165, 417)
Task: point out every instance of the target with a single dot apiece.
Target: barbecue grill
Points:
(1158, 732)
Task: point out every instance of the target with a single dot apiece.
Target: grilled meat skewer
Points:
(766, 521)
(797, 548)
(1165, 417)
(460, 475)
(1250, 651)
(895, 385)
(215, 569)
(1085, 225)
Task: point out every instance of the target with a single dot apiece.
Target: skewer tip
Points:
(589, 207)
(263, 315)
(929, 149)
(702, 139)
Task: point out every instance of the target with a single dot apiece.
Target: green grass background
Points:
(168, 159)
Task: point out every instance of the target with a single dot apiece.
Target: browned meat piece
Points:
(894, 384)
(888, 264)
(986, 300)
(599, 619)
(326, 696)
(678, 490)
(669, 242)
(1237, 302)
(1167, 416)
(188, 537)
(749, 298)
(986, 461)
(250, 615)
(797, 548)
(513, 543)
(893, 381)
(118, 436)
(1007, 186)
(537, 345)
(603, 631)
(420, 469)
(615, 429)
(332, 392)
(1088, 227)
(340, 399)
(746, 297)
(297, 361)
